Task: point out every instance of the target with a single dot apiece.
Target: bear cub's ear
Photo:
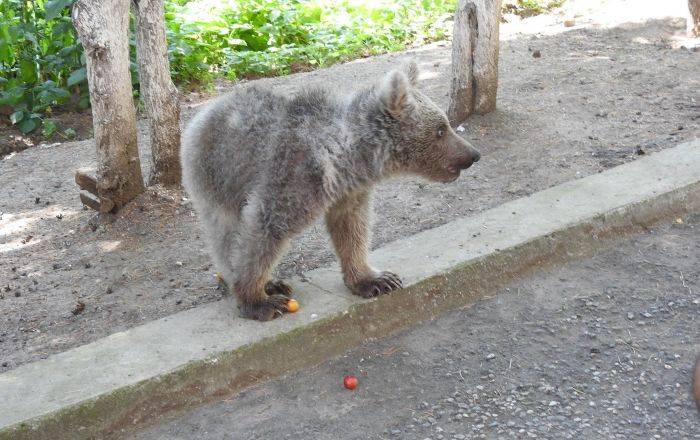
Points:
(394, 94)
(411, 71)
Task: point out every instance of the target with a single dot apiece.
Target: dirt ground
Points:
(602, 92)
(601, 348)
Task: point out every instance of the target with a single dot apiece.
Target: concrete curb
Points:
(113, 385)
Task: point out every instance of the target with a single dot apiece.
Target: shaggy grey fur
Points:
(260, 167)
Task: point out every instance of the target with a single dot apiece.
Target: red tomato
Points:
(350, 382)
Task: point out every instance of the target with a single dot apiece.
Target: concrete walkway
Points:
(599, 348)
(199, 355)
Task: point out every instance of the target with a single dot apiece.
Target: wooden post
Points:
(694, 18)
(159, 94)
(102, 28)
(474, 59)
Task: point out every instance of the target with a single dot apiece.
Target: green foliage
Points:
(40, 61)
(528, 8)
(270, 37)
(42, 64)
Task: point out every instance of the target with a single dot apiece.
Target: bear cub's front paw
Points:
(383, 282)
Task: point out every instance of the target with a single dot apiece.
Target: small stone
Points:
(536, 54)
(570, 22)
(630, 316)
(490, 356)
(79, 308)
(178, 263)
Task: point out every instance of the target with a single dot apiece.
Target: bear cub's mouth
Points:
(455, 170)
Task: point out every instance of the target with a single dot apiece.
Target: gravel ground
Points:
(598, 348)
(601, 93)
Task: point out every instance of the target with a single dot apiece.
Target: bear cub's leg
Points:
(254, 252)
(234, 254)
(348, 224)
(259, 297)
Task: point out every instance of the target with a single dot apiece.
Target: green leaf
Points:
(48, 128)
(27, 69)
(77, 77)
(60, 93)
(5, 43)
(70, 133)
(31, 37)
(54, 8)
(16, 117)
(84, 101)
(27, 125)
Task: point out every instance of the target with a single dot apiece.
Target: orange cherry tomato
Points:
(292, 305)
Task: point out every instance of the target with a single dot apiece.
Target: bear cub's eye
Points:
(440, 132)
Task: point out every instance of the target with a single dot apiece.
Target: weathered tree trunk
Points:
(102, 28)
(474, 59)
(158, 92)
(694, 18)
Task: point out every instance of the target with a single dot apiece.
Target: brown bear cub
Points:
(260, 167)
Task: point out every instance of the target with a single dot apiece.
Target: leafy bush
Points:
(42, 64)
(271, 37)
(528, 8)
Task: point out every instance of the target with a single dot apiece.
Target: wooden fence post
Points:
(474, 59)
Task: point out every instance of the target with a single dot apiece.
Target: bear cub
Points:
(260, 167)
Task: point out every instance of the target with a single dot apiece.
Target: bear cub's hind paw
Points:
(277, 287)
(267, 309)
(383, 282)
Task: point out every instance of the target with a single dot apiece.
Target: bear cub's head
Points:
(424, 143)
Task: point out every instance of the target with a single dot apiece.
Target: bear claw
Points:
(278, 287)
(267, 309)
(384, 282)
